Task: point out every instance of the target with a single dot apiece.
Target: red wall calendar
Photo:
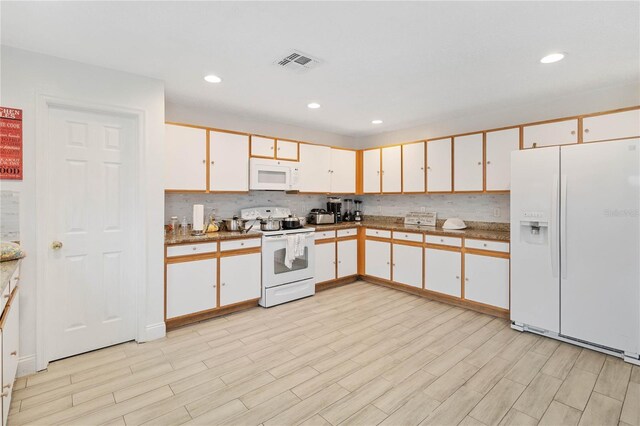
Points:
(10, 143)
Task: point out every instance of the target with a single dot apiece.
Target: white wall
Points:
(192, 114)
(24, 76)
(585, 102)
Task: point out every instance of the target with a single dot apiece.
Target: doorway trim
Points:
(44, 103)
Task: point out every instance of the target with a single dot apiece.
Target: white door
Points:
(191, 287)
(90, 284)
(287, 150)
(315, 168)
(407, 265)
(325, 262)
(262, 147)
(371, 171)
(378, 259)
(499, 146)
(343, 171)
(439, 165)
(600, 243)
(486, 280)
(240, 278)
(535, 292)
(413, 167)
(347, 258)
(468, 161)
(556, 133)
(611, 126)
(442, 271)
(185, 164)
(392, 169)
(229, 158)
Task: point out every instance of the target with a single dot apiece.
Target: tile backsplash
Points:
(9, 215)
(473, 207)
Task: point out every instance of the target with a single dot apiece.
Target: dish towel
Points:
(294, 249)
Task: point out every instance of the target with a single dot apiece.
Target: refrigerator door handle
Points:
(563, 226)
(553, 226)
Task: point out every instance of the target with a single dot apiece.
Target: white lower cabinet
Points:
(407, 265)
(442, 271)
(378, 259)
(325, 262)
(486, 280)
(347, 258)
(240, 278)
(10, 353)
(191, 287)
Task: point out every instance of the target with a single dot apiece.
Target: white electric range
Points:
(281, 284)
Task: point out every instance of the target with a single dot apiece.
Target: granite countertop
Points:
(6, 272)
(213, 236)
(481, 230)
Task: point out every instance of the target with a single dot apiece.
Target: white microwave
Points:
(273, 175)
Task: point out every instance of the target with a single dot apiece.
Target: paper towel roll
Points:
(198, 217)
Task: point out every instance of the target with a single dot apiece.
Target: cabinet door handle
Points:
(204, 161)
(573, 132)
(214, 286)
(457, 277)
(586, 130)
(466, 279)
(388, 263)
(479, 163)
(488, 162)
(6, 296)
(212, 163)
(224, 284)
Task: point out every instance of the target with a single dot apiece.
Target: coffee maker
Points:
(357, 213)
(334, 205)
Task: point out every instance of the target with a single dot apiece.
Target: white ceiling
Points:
(403, 62)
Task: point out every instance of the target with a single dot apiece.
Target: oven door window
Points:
(299, 263)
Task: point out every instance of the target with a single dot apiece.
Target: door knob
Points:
(56, 245)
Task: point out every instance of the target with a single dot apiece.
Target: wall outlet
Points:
(423, 209)
(379, 209)
(496, 212)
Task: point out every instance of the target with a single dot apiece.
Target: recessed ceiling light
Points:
(376, 121)
(212, 78)
(553, 57)
(313, 105)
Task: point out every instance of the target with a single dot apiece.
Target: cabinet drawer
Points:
(446, 241)
(323, 235)
(378, 233)
(240, 244)
(407, 236)
(487, 245)
(347, 232)
(188, 249)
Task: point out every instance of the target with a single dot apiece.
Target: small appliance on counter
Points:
(320, 217)
(357, 213)
(348, 212)
(420, 219)
(334, 205)
(454, 223)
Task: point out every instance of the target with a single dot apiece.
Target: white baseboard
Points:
(26, 365)
(153, 332)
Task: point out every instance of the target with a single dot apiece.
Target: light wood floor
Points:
(359, 354)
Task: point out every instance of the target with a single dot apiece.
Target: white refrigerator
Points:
(575, 244)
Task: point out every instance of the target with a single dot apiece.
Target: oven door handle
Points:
(310, 234)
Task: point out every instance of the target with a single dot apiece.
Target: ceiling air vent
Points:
(297, 61)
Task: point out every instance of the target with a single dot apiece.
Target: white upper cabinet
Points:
(611, 126)
(413, 167)
(262, 147)
(343, 171)
(439, 165)
(287, 150)
(392, 169)
(467, 166)
(499, 145)
(229, 161)
(315, 168)
(371, 171)
(185, 165)
(547, 134)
